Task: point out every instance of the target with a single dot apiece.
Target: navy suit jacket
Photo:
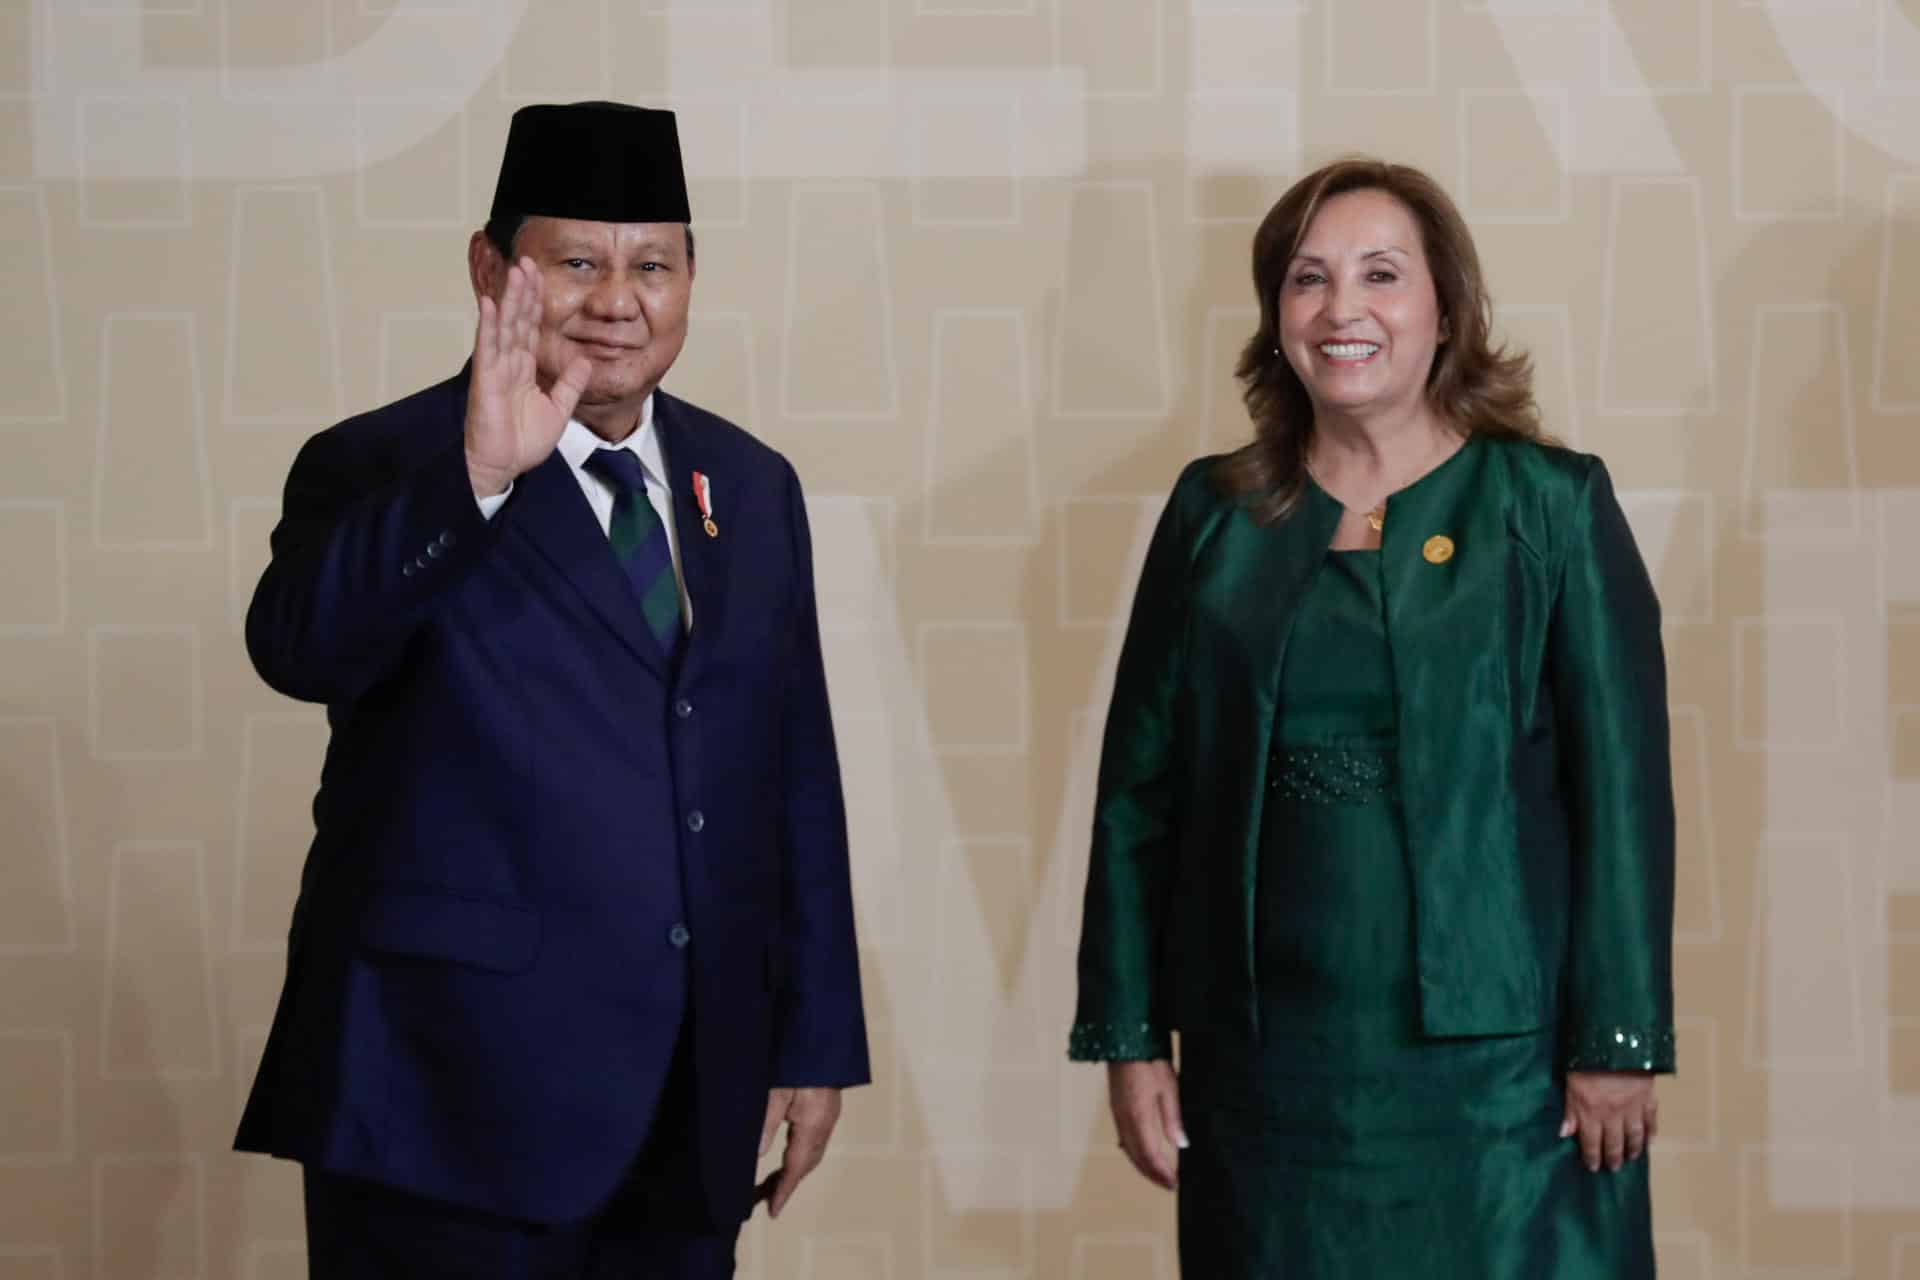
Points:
(541, 853)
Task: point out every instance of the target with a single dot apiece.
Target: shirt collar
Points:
(578, 442)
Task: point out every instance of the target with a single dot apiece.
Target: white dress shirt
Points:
(577, 444)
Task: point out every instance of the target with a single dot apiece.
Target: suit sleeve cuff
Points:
(1118, 1042)
(490, 507)
(1622, 1049)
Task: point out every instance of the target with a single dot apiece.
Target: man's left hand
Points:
(1615, 1114)
(809, 1115)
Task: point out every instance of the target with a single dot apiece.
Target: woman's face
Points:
(1359, 315)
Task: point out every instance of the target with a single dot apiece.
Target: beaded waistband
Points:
(1348, 773)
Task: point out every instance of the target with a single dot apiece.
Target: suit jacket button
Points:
(435, 551)
(406, 571)
(696, 821)
(679, 936)
(683, 708)
(446, 539)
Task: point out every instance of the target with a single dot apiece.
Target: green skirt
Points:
(1340, 1143)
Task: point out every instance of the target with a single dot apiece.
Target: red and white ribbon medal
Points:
(703, 494)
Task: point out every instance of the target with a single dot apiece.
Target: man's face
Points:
(616, 293)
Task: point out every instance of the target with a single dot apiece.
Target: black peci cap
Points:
(600, 161)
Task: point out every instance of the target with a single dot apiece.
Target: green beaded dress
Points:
(1339, 1143)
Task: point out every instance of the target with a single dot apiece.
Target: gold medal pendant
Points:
(703, 495)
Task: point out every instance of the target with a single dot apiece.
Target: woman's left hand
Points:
(1615, 1114)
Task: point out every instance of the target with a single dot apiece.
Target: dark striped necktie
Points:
(640, 544)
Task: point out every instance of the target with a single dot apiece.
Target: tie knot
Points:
(619, 468)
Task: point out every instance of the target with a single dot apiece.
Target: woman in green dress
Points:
(1384, 825)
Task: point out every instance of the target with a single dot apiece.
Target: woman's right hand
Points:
(1146, 1111)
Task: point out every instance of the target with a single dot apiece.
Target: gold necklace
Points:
(1376, 519)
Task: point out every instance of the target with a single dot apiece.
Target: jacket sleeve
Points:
(820, 1034)
(1119, 1015)
(1607, 675)
(360, 558)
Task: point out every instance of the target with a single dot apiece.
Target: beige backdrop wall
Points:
(978, 266)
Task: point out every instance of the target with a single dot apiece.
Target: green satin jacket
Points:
(1534, 773)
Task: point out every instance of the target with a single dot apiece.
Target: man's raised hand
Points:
(512, 422)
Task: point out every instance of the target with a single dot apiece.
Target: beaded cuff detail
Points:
(1331, 775)
(1622, 1049)
(1118, 1042)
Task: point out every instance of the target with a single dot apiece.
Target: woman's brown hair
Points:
(1478, 388)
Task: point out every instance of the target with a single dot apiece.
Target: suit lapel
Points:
(549, 510)
(1259, 576)
(703, 558)
(1272, 565)
(1442, 534)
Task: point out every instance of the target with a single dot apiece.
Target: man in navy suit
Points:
(575, 936)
